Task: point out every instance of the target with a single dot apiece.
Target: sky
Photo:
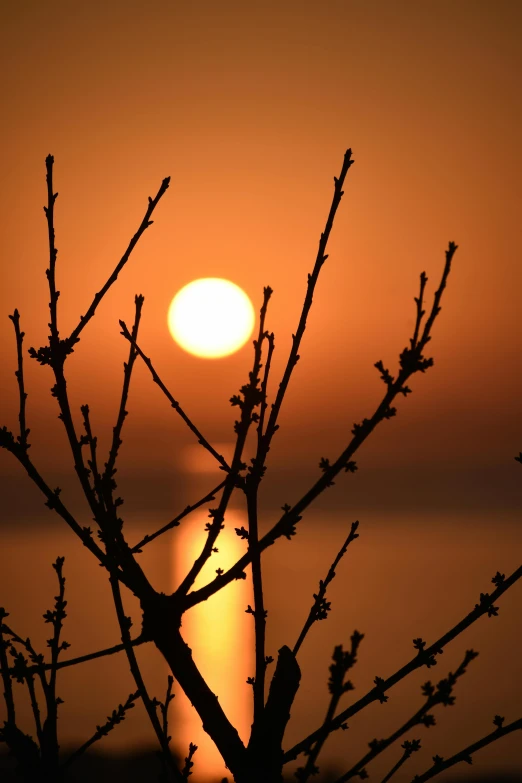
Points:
(249, 108)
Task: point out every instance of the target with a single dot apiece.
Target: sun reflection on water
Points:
(221, 637)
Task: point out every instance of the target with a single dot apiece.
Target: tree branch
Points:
(175, 522)
(145, 223)
(19, 373)
(8, 687)
(174, 403)
(125, 624)
(439, 764)
(424, 657)
(321, 607)
(441, 694)
(343, 661)
(107, 480)
(409, 746)
(112, 721)
(43, 667)
(411, 361)
(247, 400)
(293, 357)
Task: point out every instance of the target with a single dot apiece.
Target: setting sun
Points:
(211, 317)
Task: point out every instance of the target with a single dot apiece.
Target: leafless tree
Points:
(262, 760)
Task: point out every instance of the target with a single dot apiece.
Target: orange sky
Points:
(250, 107)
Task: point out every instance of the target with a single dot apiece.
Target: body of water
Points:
(401, 579)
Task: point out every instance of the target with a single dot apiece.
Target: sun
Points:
(211, 317)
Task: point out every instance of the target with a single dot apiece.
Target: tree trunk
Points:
(262, 761)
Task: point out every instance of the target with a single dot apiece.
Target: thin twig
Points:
(411, 361)
(175, 522)
(57, 351)
(117, 716)
(125, 624)
(343, 661)
(247, 400)
(187, 769)
(264, 384)
(43, 667)
(257, 396)
(37, 658)
(420, 312)
(409, 746)
(54, 501)
(35, 707)
(21, 671)
(379, 746)
(8, 687)
(425, 656)
(321, 607)
(53, 252)
(164, 707)
(56, 616)
(250, 399)
(19, 373)
(90, 440)
(293, 357)
(440, 765)
(108, 482)
(145, 223)
(174, 403)
(441, 694)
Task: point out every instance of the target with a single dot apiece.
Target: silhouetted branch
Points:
(411, 361)
(145, 223)
(37, 658)
(90, 440)
(22, 674)
(21, 746)
(57, 351)
(125, 625)
(53, 252)
(187, 769)
(442, 693)
(264, 385)
(164, 707)
(419, 301)
(43, 667)
(19, 373)
(8, 687)
(321, 607)
(254, 396)
(440, 764)
(343, 661)
(283, 689)
(8, 442)
(174, 403)
(293, 357)
(35, 707)
(117, 716)
(108, 482)
(175, 522)
(424, 657)
(247, 400)
(179, 657)
(410, 746)
(56, 616)
(262, 760)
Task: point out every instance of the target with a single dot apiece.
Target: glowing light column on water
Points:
(221, 637)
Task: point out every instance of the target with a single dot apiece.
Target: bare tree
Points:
(262, 760)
